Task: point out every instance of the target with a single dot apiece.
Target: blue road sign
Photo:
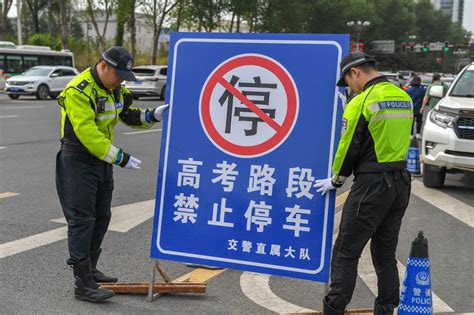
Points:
(253, 121)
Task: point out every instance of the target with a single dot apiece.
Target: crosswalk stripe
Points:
(22, 107)
(452, 206)
(34, 241)
(124, 218)
(8, 194)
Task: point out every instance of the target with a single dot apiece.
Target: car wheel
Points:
(163, 93)
(42, 92)
(13, 96)
(433, 176)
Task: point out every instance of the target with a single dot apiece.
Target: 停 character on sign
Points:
(258, 214)
(260, 93)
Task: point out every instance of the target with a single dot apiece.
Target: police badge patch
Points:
(344, 126)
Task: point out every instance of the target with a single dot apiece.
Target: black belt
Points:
(68, 147)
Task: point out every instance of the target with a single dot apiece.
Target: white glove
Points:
(160, 111)
(343, 99)
(133, 163)
(324, 185)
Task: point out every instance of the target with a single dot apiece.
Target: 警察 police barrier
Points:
(413, 159)
(415, 297)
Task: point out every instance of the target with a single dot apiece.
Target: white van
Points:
(448, 134)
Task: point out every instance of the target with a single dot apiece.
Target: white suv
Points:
(448, 134)
(42, 81)
(151, 81)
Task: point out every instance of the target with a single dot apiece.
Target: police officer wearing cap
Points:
(91, 105)
(375, 137)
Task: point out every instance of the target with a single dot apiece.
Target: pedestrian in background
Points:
(417, 93)
(431, 101)
(373, 146)
(91, 105)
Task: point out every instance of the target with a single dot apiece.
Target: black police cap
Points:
(121, 60)
(351, 60)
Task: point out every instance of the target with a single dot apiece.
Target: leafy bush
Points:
(41, 39)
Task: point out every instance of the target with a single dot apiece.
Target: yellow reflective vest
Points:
(89, 113)
(376, 129)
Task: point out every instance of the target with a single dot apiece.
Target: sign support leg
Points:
(154, 289)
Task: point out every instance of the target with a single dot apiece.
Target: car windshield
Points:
(37, 72)
(465, 85)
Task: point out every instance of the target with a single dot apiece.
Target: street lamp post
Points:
(358, 26)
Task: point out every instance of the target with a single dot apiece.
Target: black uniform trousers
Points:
(373, 211)
(84, 185)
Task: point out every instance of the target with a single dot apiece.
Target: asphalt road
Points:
(37, 280)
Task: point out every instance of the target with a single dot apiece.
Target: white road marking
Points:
(9, 116)
(22, 107)
(2, 148)
(143, 131)
(123, 219)
(256, 286)
(452, 206)
(126, 217)
(31, 242)
(8, 194)
(21, 101)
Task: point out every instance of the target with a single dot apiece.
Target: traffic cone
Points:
(413, 159)
(415, 297)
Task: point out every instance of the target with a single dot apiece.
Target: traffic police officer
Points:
(91, 105)
(374, 143)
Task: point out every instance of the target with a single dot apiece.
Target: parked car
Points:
(42, 81)
(448, 134)
(448, 79)
(393, 78)
(405, 76)
(151, 81)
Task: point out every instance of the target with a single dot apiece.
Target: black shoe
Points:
(85, 288)
(383, 309)
(98, 275)
(329, 310)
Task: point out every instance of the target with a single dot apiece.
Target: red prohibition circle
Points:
(285, 128)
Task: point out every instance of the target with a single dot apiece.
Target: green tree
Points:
(34, 7)
(42, 39)
(280, 16)
(5, 7)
